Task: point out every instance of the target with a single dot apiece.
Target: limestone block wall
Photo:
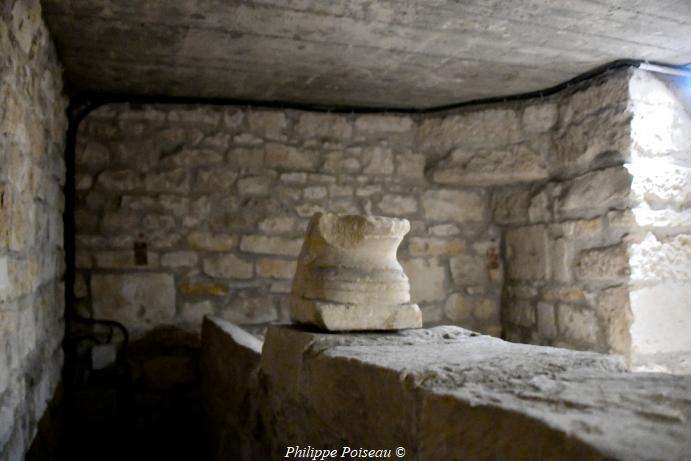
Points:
(32, 134)
(184, 211)
(660, 248)
(567, 266)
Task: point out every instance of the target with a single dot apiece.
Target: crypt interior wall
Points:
(32, 142)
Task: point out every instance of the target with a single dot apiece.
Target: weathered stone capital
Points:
(348, 277)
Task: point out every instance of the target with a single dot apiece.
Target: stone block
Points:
(203, 289)
(212, 241)
(286, 157)
(382, 124)
(397, 205)
(539, 118)
(424, 246)
(276, 268)
(193, 313)
(322, 125)
(511, 205)
(254, 185)
(664, 259)
(528, 253)
(378, 160)
(604, 264)
(467, 269)
(141, 301)
(410, 165)
(263, 244)
(594, 193)
(520, 313)
(453, 205)
(277, 225)
(175, 181)
(176, 259)
(427, 279)
(250, 307)
(215, 180)
(578, 324)
(520, 163)
(228, 266)
(267, 124)
(546, 320)
(614, 308)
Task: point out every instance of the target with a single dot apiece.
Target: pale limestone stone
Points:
(348, 277)
(254, 185)
(194, 312)
(93, 154)
(587, 195)
(246, 158)
(123, 259)
(269, 124)
(320, 125)
(528, 257)
(444, 230)
(315, 193)
(520, 163)
(453, 205)
(468, 269)
(398, 205)
(211, 241)
(614, 308)
(458, 308)
(337, 162)
(140, 301)
(540, 117)
(376, 123)
(290, 158)
(521, 313)
(427, 279)
(336, 190)
(425, 246)
(604, 264)
(270, 245)
(250, 307)
(578, 324)
(176, 259)
(510, 206)
(546, 320)
(215, 180)
(177, 181)
(663, 259)
(276, 268)
(228, 266)
(379, 160)
(277, 225)
(410, 165)
(293, 178)
(190, 158)
(368, 190)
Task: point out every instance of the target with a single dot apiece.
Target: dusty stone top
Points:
(568, 397)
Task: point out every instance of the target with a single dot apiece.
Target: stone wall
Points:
(437, 393)
(567, 268)
(32, 134)
(660, 248)
(217, 200)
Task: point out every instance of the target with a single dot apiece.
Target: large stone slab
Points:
(449, 393)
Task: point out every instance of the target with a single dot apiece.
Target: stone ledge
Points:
(449, 393)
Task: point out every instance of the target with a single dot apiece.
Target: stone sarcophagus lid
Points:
(348, 277)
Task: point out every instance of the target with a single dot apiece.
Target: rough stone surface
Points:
(348, 276)
(32, 173)
(221, 196)
(425, 387)
(359, 54)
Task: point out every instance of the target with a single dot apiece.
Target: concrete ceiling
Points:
(369, 53)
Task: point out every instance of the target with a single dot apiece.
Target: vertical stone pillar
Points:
(348, 277)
